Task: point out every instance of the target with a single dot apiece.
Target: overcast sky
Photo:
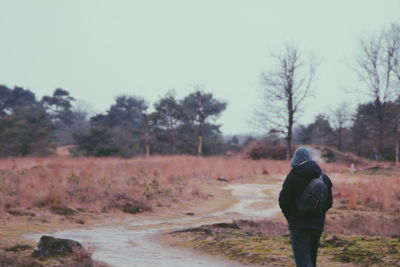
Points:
(99, 49)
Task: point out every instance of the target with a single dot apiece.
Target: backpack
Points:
(313, 200)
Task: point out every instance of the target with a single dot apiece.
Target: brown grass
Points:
(83, 257)
(367, 202)
(337, 222)
(104, 184)
(334, 167)
(382, 194)
(363, 223)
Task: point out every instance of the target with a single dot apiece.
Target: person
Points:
(305, 229)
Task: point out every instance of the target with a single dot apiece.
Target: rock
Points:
(80, 221)
(134, 207)
(205, 231)
(62, 210)
(265, 171)
(49, 246)
(189, 214)
(222, 179)
(225, 225)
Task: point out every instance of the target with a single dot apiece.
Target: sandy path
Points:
(133, 243)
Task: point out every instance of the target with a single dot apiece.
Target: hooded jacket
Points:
(293, 186)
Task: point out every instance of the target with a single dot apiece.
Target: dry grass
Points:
(334, 167)
(367, 202)
(337, 222)
(225, 166)
(363, 223)
(380, 194)
(83, 257)
(22, 258)
(103, 184)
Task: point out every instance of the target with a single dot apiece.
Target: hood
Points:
(300, 155)
(308, 170)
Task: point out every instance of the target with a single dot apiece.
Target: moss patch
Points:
(244, 247)
(366, 251)
(255, 250)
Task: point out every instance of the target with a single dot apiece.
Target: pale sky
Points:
(99, 49)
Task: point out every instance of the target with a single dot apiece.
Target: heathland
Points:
(41, 195)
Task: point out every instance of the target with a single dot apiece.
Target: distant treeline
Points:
(366, 132)
(176, 126)
(362, 132)
(31, 127)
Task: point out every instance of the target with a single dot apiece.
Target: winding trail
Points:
(133, 243)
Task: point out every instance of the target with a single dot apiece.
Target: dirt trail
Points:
(134, 244)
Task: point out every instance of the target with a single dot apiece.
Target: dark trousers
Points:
(305, 244)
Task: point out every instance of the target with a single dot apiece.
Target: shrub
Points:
(261, 150)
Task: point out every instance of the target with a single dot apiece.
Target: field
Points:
(38, 194)
(109, 184)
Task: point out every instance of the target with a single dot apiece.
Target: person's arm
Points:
(286, 197)
(329, 185)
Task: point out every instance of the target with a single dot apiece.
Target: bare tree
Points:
(340, 117)
(393, 38)
(78, 123)
(286, 86)
(397, 135)
(376, 67)
(394, 41)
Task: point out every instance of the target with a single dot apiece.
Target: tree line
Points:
(373, 128)
(35, 127)
(359, 132)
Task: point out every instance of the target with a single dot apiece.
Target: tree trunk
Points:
(200, 141)
(380, 140)
(147, 136)
(381, 117)
(171, 139)
(340, 139)
(147, 149)
(289, 139)
(290, 126)
(200, 145)
(397, 141)
(397, 150)
(288, 149)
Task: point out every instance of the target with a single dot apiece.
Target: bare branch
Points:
(285, 88)
(377, 62)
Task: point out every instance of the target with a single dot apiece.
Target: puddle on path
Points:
(247, 194)
(133, 246)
